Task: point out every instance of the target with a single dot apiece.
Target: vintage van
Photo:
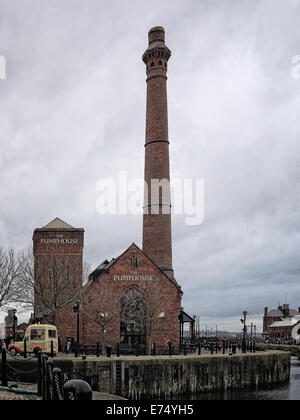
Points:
(38, 337)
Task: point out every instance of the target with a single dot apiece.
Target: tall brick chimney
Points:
(157, 235)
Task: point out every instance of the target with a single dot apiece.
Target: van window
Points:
(37, 334)
(52, 333)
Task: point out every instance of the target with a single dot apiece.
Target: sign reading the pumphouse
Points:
(133, 278)
(59, 241)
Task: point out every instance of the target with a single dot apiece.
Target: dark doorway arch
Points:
(133, 321)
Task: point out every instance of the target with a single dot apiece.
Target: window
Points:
(160, 63)
(133, 262)
(52, 333)
(152, 64)
(37, 335)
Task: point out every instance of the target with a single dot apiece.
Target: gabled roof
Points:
(58, 224)
(114, 260)
(274, 313)
(287, 322)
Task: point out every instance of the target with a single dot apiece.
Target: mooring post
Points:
(40, 374)
(52, 349)
(118, 350)
(154, 349)
(25, 349)
(199, 349)
(98, 349)
(4, 368)
(170, 348)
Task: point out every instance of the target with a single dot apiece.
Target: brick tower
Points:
(58, 250)
(157, 235)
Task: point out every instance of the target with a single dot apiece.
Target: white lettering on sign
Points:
(59, 241)
(133, 278)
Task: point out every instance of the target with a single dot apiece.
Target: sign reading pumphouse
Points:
(59, 241)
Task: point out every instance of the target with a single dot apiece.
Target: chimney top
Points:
(157, 33)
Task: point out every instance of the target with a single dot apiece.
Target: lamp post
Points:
(244, 322)
(14, 324)
(76, 309)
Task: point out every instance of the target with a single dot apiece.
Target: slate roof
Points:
(58, 224)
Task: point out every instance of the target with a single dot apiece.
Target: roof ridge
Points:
(58, 223)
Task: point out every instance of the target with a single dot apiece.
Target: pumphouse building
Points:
(134, 298)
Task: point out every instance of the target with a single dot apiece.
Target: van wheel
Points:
(13, 352)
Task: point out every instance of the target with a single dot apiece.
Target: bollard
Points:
(224, 348)
(98, 349)
(76, 350)
(211, 349)
(254, 347)
(233, 349)
(154, 349)
(199, 349)
(40, 375)
(44, 377)
(118, 350)
(78, 390)
(25, 349)
(52, 349)
(185, 349)
(170, 348)
(108, 351)
(4, 368)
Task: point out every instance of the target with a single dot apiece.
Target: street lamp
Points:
(76, 310)
(244, 322)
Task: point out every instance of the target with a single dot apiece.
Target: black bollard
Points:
(98, 349)
(211, 349)
(76, 350)
(52, 349)
(224, 348)
(40, 374)
(185, 349)
(254, 347)
(108, 351)
(234, 349)
(118, 350)
(25, 349)
(78, 390)
(170, 348)
(4, 368)
(154, 349)
(199, 349)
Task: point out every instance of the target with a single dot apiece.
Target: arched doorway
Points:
(133, 321)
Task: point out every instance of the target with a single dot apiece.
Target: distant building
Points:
(279, 323)
(11, 322)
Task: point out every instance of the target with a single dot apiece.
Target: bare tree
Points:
(47, 286)
(153, 310)
(8, 276)
(101, 306)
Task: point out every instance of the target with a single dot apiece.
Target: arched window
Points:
(160, 63)
(133, 320)
(152, 64)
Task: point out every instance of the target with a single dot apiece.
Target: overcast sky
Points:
(73, 113)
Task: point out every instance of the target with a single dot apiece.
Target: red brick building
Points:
(279, 323)
(135, 297)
